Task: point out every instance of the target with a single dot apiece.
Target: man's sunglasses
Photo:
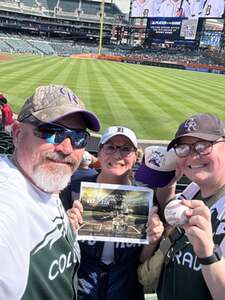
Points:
(56, 134)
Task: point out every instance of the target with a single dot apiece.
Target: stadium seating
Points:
(69, 6)
(4, 47)
(30, 3)
(48, 4)
(111, 10)
(19, 45)
(6, 143)
(91, 7)
(43, 46)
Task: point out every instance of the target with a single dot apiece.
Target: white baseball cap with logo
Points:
(158, 167)
(118, 130)
(87, 158)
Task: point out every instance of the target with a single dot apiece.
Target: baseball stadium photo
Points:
(145, 65)
(115, 213)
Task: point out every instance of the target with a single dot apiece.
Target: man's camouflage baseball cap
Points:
(53, 102)
(203, 126)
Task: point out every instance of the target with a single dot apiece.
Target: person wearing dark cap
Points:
(108, 270)
(39, 254)
(194, 267)
(7, 114)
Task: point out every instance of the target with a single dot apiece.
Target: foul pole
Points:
(101, 26)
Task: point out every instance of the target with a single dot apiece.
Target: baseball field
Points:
(150, 100)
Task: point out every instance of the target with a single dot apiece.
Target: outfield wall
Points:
(165, 64)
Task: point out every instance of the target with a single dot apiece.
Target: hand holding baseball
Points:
(175, 213)
(199, 228)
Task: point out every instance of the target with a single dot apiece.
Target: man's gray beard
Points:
(51, 182)
(53, 178)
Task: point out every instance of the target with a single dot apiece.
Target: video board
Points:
(171, 29)
(178, 8)
(188, 29)
(163, 28)
(210, 38)
(213, 24)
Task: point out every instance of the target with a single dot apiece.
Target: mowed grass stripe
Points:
(140, 101)
(67, 73)
(187, 78)
(188, 85)
(43, 72)
(157, 103)
(155, 107)
(97, 95)
(119, 82)
(196, 93)
(120, 111)
(192, 108)
(27, 71)
(17, 63)
(150, 100)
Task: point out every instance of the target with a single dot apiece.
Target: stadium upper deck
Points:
(81, 9)
(76, 20)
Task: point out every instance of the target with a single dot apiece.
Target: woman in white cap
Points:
(109, 270)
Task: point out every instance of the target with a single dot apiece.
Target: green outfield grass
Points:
(150, 100)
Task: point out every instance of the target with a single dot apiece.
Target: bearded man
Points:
(39, 254)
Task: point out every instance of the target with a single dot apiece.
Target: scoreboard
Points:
(178, 8)
(163, 28)
(171, 29)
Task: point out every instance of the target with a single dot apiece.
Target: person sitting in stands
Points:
(7, 115)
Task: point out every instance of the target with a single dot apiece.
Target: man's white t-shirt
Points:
(39, 254)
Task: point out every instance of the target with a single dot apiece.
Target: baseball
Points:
(175, 213)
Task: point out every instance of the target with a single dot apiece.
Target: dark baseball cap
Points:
(53, 102)
(203, 126)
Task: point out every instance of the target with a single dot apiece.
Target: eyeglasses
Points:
(201, 148)
(56, 134)
(125, 150)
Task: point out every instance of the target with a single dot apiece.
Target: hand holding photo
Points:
(117, 213)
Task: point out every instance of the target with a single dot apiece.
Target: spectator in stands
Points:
(7, 114)
(85, 169)
(175, 8)
(194, 267)
(109, 270)
(39, 254)
(84, 172)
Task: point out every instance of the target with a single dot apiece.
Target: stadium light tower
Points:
(101, 25)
